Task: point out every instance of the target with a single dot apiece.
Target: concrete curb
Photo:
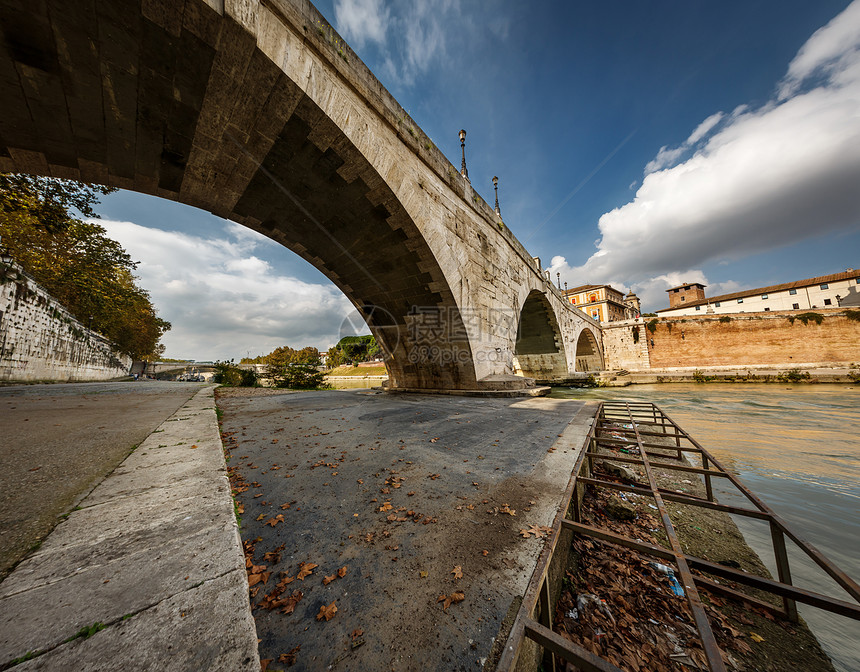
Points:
(153, 554)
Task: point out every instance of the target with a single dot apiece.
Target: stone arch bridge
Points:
(257, 111)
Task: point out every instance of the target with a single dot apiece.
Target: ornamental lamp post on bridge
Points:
(463, 171)
(496, 187)
(5, 255)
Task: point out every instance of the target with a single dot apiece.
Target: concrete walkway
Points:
(148, 574)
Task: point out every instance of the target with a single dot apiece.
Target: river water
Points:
(798, 448)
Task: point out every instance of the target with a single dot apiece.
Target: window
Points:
(828, 302)
(764, 296)
(683, 298)
(740, 300)
(717, 304)
(767, 310)
(792, 291)
(678, 290)
(824, 285)
(795, 306)
(698, 307)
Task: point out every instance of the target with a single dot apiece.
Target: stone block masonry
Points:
(784, 339)
(41, 341)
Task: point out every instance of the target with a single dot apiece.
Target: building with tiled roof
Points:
(826, 291)
(603, 302)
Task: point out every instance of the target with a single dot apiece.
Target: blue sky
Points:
(640, 144)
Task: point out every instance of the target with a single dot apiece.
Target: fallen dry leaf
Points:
(289, 603)
(327, 612)
(305, 569)
(448, 600)
(457, 572)
(289, 658)
(342, 572)
(274, 521)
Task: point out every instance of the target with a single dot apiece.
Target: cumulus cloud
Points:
(222, 299)
(757, 178)
(651, 290)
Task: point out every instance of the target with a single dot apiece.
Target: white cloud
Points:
(668, 156)
(415, 34)
(361, 21)
(760, 178)
(704, 128)
(831, 51)
(222, 299)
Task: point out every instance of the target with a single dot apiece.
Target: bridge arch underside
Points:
(588, 356)
(186, 106)
(539, 351)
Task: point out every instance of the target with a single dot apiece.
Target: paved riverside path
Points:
(58, 441)
(400, 490)
(153, 555)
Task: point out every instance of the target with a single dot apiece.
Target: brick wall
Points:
(735, 341)
(41, 341)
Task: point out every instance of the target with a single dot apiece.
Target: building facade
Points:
(603, 302)
(827, 291)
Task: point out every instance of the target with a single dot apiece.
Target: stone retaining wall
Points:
(41, 341)
(774, 339)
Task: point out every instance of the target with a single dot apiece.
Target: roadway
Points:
(59, 441)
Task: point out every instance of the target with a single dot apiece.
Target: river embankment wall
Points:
(779, 340)
(41, 341)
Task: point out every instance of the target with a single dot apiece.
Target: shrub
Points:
(806, 318)
(793, 376)
(230, 375)
(297, 375)
(725, 319)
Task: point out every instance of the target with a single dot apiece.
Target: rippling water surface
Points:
(798, 448)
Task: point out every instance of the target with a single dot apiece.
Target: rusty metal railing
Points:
(630, 426)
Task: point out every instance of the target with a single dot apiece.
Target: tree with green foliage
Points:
(298, 369)
(353, 349)
(230, 375)
(75, 261)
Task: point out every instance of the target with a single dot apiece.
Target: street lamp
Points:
(558, 276)
(496, 187)
(463, 171)
(5, 255)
